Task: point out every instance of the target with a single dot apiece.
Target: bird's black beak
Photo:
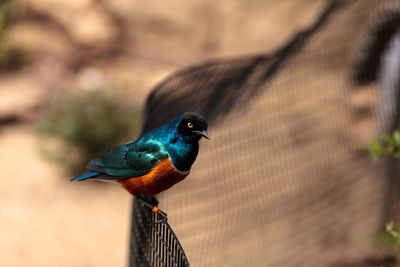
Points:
(202, 133)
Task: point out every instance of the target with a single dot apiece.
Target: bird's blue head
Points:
(184, 133)
(191, 126)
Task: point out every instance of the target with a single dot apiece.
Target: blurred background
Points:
(74, 76)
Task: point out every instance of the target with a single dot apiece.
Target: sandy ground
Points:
(48, 221)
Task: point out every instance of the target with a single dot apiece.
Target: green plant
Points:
(386, 146)
(88, 124)
(6, 10)
(12, 55)
(391, 238)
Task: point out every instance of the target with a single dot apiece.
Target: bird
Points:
(154, 162)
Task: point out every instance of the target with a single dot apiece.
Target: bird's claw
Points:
(159, 213)
(160, 216)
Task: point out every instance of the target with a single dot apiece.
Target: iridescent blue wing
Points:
(129, 160)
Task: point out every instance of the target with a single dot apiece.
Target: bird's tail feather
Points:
(84, 176)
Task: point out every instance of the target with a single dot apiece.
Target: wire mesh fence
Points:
(282, 181)
(153, 242)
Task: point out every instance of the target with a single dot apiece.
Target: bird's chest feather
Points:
(183, 154)
(160, 178)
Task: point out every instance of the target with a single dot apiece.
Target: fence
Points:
(282, 182)
(153, 243)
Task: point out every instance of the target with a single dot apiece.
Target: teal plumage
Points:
(177, 141)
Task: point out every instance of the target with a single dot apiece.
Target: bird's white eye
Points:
(190, 125)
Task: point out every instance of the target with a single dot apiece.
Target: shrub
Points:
(12, 55)
(388, 145)
(88, 124)
(391, 238)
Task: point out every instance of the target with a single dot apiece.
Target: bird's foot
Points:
(161, 217)
(152, 203)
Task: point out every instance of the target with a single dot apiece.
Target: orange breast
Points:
(160, 178)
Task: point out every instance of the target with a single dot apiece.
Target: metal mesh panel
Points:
(153, 243)
(282, 183)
